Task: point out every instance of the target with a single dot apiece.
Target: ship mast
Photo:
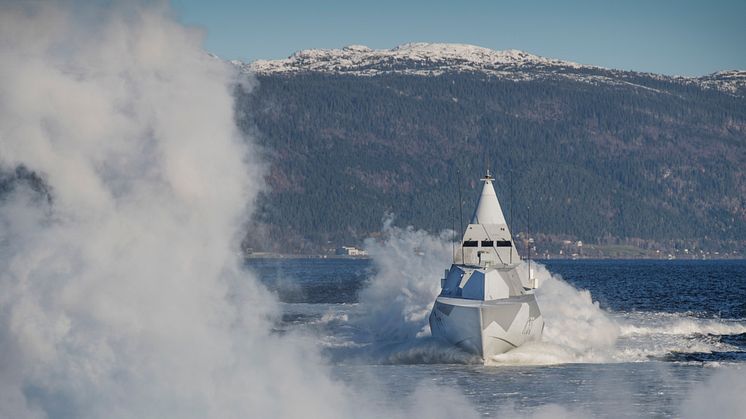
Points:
(528, 234)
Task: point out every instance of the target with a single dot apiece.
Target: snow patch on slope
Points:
(433, 59)
(412, 58)
(731, 81)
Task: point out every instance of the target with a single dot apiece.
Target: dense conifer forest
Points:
(652, 161)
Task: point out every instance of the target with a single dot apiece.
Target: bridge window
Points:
(503, 243)
(487, 243)
(470, 243)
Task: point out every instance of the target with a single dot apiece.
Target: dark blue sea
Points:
(633, 338)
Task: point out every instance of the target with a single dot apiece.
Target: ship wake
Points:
(389, 324)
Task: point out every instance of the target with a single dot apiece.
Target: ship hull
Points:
(487, 328)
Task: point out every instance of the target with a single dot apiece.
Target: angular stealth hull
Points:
(486, 303)
(487, 328)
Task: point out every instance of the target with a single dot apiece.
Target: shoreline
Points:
(256, 256)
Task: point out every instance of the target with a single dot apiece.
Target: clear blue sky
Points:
(663, 36)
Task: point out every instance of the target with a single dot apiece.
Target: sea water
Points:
(630, 338)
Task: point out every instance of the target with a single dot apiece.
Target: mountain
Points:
(733, 81)
(427, 59)
(605, 156)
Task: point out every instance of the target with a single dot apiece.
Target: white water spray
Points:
(399, 298)
(395, 305)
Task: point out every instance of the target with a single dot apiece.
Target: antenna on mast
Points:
(510, 181)
(531, 280)
(460, 212)
(453, 242)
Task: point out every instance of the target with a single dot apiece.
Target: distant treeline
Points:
(663, 161)
(646, 159)
(591, 161)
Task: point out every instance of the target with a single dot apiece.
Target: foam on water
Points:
(390, 323)
(647, 323)
(652, 336)
(578, 330)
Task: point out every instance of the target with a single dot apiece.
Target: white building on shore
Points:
(351, 251)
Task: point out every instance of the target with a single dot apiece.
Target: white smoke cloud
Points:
(549, 411)
(721, 396)
(123, 297)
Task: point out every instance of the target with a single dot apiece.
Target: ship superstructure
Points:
(487, 304)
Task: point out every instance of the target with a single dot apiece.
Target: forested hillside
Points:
(650, 159)
(607, 157)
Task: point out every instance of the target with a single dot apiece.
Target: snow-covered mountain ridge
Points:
(432, 59)
(412, 58)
